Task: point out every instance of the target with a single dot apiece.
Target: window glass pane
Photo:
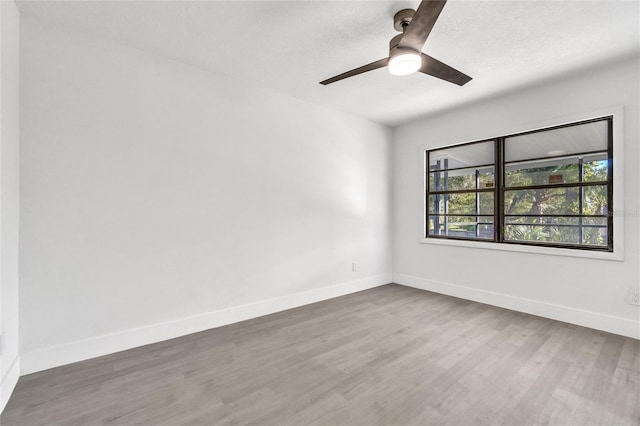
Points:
(595, 236)
(462, 179)
(557, 171)
(542, 233)
(595, 169)
(463, 204)
(594, 221)
(568, 230)
(485, 231)
(542, 220)
(556, 201)
(564, 170)
(469, 218)
(568, 140)
(474, 154)
(595, 200)
(462, 226)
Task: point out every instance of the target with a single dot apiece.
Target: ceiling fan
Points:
(405, 50)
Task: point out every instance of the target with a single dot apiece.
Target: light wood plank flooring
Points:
(387, 356)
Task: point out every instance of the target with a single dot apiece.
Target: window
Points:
(462, 191)
(549, 187)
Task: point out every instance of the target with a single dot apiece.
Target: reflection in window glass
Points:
(469, 203)
(462, 179)
(566, 140)
(592, 168)
(595, 200)
(557, 229)
(542, 233)
(480, 227)
(468, 155)
(595, 171)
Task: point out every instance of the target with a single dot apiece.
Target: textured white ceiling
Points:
(289, 46)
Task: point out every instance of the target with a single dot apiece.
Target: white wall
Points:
(155, 196)
(158, 199)
(584, 291)
(9, 198)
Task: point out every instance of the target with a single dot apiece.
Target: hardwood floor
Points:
(391, 355)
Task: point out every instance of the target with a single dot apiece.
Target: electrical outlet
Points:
(634, 297)
(354, 267)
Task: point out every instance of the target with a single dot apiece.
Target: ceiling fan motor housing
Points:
(402, 19)
(394, 50)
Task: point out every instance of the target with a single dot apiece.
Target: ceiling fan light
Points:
(405, 63)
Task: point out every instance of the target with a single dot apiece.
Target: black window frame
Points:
(476, 190)
(499, 190)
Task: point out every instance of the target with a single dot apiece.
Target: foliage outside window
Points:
(550, 187)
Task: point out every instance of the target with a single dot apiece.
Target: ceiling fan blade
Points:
(421, 24)
(443, 71)
(370, 67)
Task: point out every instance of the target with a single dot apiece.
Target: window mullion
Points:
(478, 201)
(580, 200)
(446, 197)
(499, 191)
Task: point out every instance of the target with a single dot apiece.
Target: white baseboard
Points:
(598, 321)
(9, 382)
(54, 356)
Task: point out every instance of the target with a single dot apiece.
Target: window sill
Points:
(549, 251)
